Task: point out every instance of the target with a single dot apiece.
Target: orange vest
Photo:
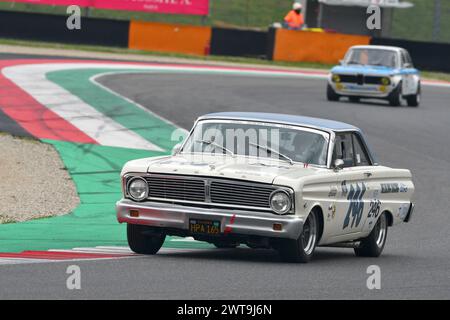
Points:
(294, 20)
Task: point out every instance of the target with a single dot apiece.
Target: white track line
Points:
(98, 126)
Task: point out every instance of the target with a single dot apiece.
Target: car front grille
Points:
(360, 79)
(176, 188)
(240, 194)
(209, 191)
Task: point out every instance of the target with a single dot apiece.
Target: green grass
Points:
(416, 23)
(125, 52)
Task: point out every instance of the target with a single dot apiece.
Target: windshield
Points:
(373, 57)
(254, 139)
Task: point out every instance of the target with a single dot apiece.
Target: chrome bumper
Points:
(410, 213)
(371, 91)
(175, 216)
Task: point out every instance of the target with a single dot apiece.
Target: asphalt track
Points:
(416, 260)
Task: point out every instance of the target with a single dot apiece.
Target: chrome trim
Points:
(208, 181)
(253, 223)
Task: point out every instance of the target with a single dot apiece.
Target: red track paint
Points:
(55, 255)
(31, 115)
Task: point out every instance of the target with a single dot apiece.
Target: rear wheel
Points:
(302, 249)
(331, 94)
(414, 99)
(373, 245)
(144, 239)
(395, 96)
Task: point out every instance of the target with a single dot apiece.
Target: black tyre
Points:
(331, 94)
(302, 249)
(144, 239)
(414, 100)
(395, 96)
(373, 245)
(225, 245)
(354, 99)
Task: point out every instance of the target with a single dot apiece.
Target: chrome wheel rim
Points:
(381, 228)
(309, 234)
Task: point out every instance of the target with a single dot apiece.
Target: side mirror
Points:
(338, 164)
(176, 149)
(407, 65)
(341, 62)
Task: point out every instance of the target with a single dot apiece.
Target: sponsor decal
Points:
(356, 206)
(374, 208)
(393, 188)
(333, 192)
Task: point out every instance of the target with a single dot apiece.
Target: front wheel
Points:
(414, 99)
(331, 94)
(225, 245)
(373, 245)
(394, 97)
(302, 249)
(144, 239)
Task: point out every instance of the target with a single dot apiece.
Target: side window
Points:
(343, 149)
(408, 59)
(361, 158)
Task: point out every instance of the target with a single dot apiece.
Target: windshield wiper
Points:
(285, 157)
(209, 142)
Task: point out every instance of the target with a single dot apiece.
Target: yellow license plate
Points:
(210, 227)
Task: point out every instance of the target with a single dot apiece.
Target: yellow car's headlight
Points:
(336, 78)
(385, 81)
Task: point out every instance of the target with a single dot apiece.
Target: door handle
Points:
(368, 174)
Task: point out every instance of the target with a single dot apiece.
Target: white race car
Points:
(380, 72)
(268, 181)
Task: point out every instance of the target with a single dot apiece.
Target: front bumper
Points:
(371, 91)
(250, 223)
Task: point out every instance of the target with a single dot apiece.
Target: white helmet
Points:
(296, 6)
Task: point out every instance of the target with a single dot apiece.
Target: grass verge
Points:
(240, 60)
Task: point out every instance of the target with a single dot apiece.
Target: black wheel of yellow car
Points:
(373, 245)
(394, 97)
(414, 99)
(302, 249)
(331, 94)
(144, 239)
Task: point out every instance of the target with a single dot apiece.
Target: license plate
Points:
(210, 227)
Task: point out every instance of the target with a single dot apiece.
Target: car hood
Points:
(241, 168)
(359, 69)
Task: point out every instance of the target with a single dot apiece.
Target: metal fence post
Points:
(437, 20)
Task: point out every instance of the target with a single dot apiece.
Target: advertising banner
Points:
(188, 7)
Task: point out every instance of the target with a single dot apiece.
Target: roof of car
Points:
(324, 124)
(377, 47)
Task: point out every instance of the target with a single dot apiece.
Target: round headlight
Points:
(138, 189)
(280, 202)
(336, 78)
(385, 81)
